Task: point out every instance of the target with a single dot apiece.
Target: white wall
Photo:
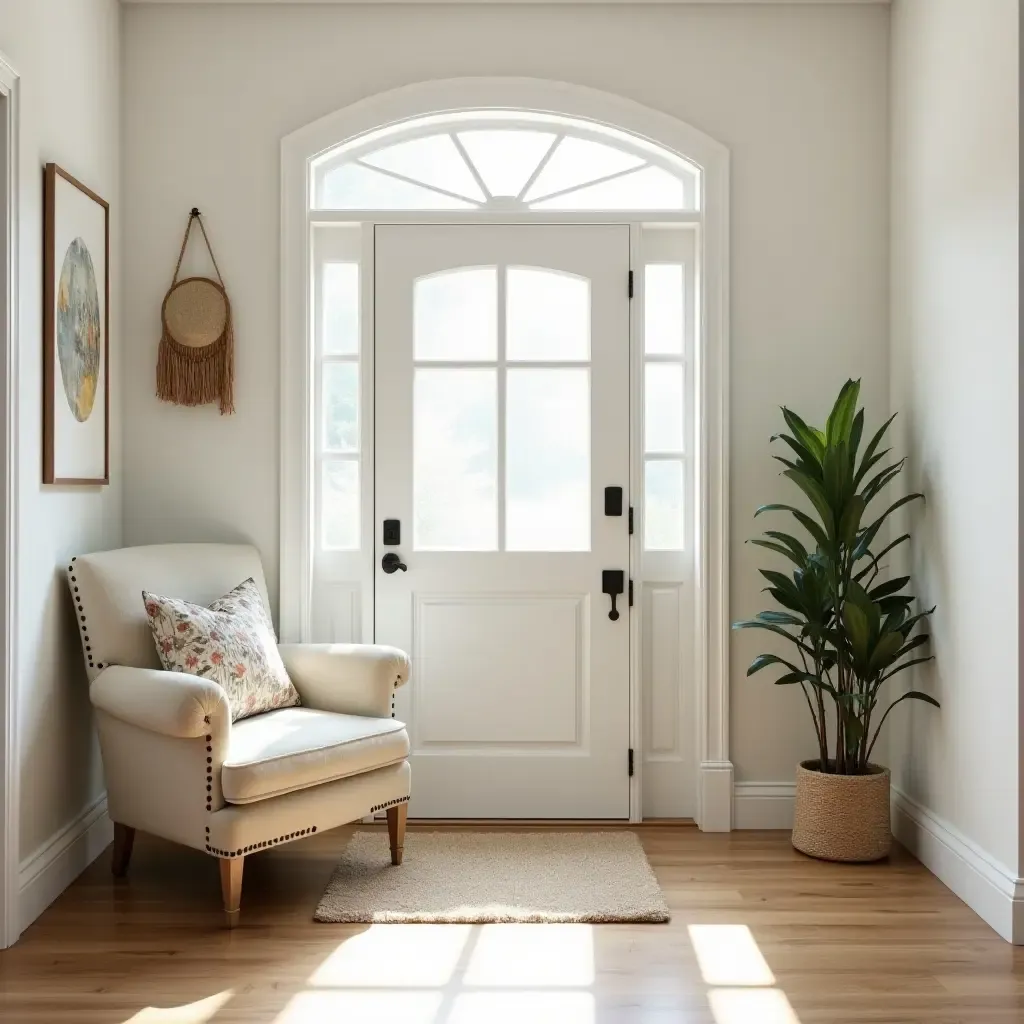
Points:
(798, 93)
(955, 352)
(68, 55)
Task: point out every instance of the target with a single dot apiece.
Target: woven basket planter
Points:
(842, 817)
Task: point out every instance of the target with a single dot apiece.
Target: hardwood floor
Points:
(759, 935)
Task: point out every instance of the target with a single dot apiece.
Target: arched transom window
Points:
(498, 160)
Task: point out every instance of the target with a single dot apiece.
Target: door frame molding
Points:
(9, 749)
(711, 663)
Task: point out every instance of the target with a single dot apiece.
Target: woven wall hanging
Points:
(196, 360)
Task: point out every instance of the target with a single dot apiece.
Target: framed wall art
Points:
(76, 332)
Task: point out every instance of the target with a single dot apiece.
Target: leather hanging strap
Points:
(195, 217)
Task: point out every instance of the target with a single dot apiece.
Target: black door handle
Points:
(392, 563)
(613, 583)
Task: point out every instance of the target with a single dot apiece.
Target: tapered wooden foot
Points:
(396, 830)
(124, 837)
(231, 888)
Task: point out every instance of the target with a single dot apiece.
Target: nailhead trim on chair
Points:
(390, 803)
(259, 846)
(83, 626)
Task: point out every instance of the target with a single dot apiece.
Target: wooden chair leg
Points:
(124, 837)
(396, 830)
(231, 888)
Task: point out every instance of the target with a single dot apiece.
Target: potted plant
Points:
(848, 628)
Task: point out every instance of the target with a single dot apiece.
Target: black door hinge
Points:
(630, 518)
(630, 593)
(631, 284)
(630, 762)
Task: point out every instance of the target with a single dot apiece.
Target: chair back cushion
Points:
(107, 589)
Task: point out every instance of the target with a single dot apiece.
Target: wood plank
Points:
(841, 944)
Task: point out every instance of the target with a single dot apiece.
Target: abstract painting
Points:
(75, 327)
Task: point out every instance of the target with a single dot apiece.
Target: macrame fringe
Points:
(195, 376)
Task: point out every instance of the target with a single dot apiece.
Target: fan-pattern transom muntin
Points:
(502, 160)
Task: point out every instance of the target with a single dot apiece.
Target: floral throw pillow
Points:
(232, 642)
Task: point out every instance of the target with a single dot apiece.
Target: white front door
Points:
(502, 415)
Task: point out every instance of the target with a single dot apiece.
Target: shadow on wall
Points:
(60, 761)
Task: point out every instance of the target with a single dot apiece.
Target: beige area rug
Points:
(483, 877)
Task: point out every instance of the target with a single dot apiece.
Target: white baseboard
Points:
(46, 873)
(989, 888)
(763, 805)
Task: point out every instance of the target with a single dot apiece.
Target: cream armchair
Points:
(175, 764)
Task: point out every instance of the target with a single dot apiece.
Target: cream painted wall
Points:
(955, 366)
(798, 93)
(68, 55)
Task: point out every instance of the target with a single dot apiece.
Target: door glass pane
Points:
(663, 505)
(577, 161)
(354, 187)
(663, 309)
(433, 161)
(455, 460)
(547, 460)
(663, 407)
(341, 406)
(340, 305)
(548, 315)
(648, 189)
(506, 159)
(341, 505)
(455, 315)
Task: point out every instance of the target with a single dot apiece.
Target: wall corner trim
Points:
(46, 873)
(715, 796)
(988, 887)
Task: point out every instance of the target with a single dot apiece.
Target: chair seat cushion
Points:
(294, 748)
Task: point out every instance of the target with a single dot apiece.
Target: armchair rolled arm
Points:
(353, 679)
(169, 703)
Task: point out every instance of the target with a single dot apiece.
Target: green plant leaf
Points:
(805, 457)
(877, 524)
(765, 660)
(780, 618)
(856, 432)
(869, 452)
(878, 482)
(816, 493)
(888, 588)
(858, 630)
(904, 665)
(884, 652)
(813, 440)
(791, 542)
(840, 419)
(780, 548)
(813, 528)
(850, 523)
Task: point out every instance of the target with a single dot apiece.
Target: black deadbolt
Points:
(392, 532)
(613, 501)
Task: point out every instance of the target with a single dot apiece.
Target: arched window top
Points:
(502, 160)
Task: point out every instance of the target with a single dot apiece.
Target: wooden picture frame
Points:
(76, 332)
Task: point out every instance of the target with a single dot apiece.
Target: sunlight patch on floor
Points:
(395, 956)
(532, 956)
(191, 1013)
(729, 956)
(517, 1007)
(747, 1005)
(380, 1007)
